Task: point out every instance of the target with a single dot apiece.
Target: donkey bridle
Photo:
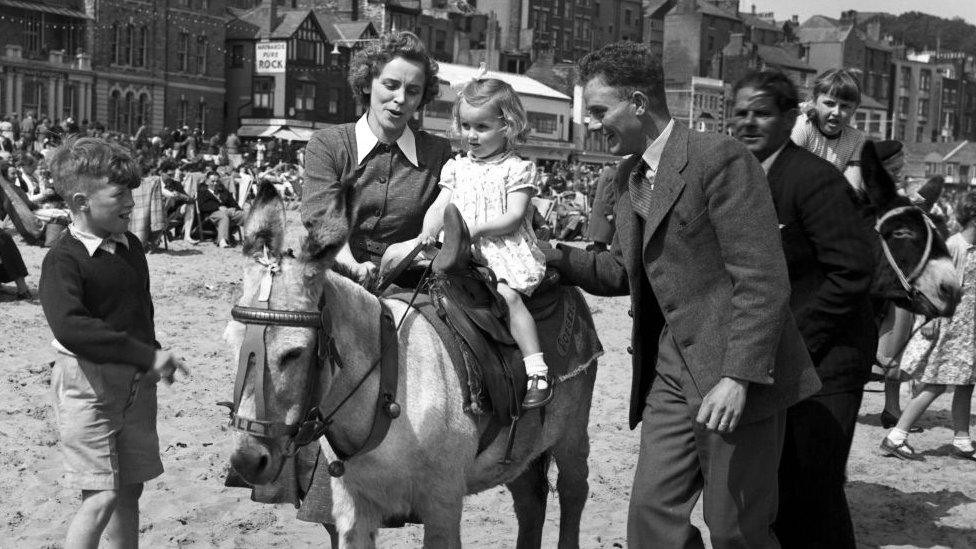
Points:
(906, 280)
(317, 419)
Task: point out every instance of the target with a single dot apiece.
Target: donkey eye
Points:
(903, 233)
(290, 356)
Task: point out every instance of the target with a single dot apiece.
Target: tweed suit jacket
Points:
(830, 259)
(708, 262)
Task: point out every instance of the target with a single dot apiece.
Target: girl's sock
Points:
(963, 444)
(897, 436)
(536, 366)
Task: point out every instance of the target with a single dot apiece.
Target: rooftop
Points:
(523, 85)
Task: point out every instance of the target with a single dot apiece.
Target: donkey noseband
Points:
(316, 421)
(906, 280)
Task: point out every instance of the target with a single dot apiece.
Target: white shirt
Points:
(366, 142)
(93, 243)
(652, 156)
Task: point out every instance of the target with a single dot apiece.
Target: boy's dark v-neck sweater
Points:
(99, 306)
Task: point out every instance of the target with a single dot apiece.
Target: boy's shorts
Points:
(106, 416)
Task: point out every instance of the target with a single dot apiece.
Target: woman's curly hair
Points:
(369, 61)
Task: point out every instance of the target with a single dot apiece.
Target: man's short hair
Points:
(79, 163)
(841, 83)
(628, 66)
(966, 208)
(775, 84)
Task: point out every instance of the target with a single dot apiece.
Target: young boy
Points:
(825, 129)
(94, 289)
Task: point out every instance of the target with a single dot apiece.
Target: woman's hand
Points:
(364, 272)
(931, 330)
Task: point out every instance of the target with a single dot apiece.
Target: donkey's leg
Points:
(570, 454)
(442, 518)
(529, 493)
(333, 535)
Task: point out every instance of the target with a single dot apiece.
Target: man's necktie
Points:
(640, 187)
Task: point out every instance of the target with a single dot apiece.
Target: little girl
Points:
(951, 360)
(492, 188)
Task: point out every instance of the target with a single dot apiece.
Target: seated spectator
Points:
(218, 206)
(12, 268)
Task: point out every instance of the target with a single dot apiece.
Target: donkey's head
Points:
(274, 337)
(914, 269)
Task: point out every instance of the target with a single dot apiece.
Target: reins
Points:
(906, 281)
(315, 422)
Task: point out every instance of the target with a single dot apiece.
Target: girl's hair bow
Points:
(482, 74)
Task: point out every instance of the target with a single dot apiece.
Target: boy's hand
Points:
(365, 273)
(166, 366)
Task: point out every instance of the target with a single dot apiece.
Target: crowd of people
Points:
(748, 261)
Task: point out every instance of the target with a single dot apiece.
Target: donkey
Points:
(913, 266)
(429, 459)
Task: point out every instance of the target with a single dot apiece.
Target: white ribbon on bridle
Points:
(271, 266)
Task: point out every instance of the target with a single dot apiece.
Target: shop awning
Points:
(37, 6)
(257, 131)
(294, 134)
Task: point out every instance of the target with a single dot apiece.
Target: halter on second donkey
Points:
(913, 267)
(397, 439)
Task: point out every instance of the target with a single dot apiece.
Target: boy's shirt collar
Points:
(652, 155)
(366, 142)
(92, 243)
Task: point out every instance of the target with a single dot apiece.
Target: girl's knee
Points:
(102, 499)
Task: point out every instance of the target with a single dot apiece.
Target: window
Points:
(201, 54)
(307, 45)
(923, 108)
(440, 40)
(919, 134)
(925, 80)
(906, 78)
(183, 112)
(874, 125)
(202, 116)
(237, 56)
(70, 95)
(903, 106)
(627, 17)
(542, 122)
(930, 167)
(114, 104)
(305, 97)
(263, 93)
(900, 131)
(183, 52)
(142, 45)
(142, 116)
(128, 38)
(439, 108)
(596, 9)
(114, 44)
(951, 169)
(32, 33)
(333, 101)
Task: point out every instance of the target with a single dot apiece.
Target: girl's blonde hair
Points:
(492, 92)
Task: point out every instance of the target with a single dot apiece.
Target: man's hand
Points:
(166, 365)
(365, 273)
(722, 407)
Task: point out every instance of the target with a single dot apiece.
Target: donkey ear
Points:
(878, 183)
(265, 224)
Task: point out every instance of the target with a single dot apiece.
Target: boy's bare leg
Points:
(97, 507)
(122, 531)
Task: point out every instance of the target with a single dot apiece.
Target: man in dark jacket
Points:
(218, 207)
(829, 257)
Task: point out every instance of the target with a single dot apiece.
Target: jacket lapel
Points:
(628, 226)
(668, 182)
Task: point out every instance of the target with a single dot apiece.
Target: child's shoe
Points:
(538, 393)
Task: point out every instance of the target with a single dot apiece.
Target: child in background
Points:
(824, 129)
(951, 359)
(492, 188)
(94, 290)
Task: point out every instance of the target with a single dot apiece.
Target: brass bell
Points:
(392, 409)
(337, 468)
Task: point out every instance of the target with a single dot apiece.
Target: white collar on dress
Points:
(366, 141)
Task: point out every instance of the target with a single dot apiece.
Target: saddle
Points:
(465, 298)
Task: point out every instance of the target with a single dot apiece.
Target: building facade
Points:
(45, 60)
(695, 33)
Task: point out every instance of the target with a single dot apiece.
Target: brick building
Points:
(615, 20)
(45, 61)
(695, 33)
(158, 62)
(742, 56)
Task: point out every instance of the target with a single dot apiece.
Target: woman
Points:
(12, 268)
(388, 171)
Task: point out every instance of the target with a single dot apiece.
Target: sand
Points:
(894, 503)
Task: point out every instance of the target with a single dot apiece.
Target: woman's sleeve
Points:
(323, 197)
(523, 176)
(447, 174)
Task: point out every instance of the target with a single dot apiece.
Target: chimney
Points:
(754, 9)
(795, 19)
(874, 30)
(272, 16)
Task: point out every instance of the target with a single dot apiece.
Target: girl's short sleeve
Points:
(522, 175)
(447, 174)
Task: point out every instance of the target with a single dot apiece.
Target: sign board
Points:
(270, 57)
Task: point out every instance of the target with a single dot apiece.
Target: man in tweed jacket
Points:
(717, 357)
